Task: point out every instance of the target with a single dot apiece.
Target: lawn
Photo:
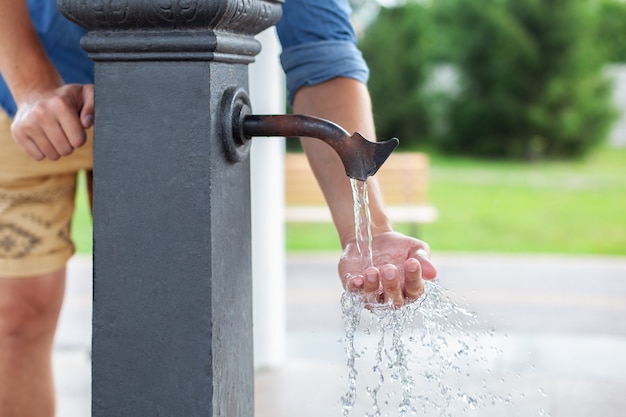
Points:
(81, 223)
(547, 207)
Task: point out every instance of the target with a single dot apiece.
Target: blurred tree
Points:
(611, 29)
(397, 47)
(530, 79)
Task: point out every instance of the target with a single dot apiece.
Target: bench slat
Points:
(403, 179)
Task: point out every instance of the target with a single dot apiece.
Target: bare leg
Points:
(29, 311)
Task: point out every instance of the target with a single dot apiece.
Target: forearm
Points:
(23, 62)
(347, 103)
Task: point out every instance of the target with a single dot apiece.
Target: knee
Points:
(27, 316)
(22, 325)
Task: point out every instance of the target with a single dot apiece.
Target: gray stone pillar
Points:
(172, 320)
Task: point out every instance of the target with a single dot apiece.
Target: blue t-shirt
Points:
(61, 40)
(318, 42)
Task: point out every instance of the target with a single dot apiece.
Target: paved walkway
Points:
(559, 346)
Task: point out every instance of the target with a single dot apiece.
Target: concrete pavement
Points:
(558, 349)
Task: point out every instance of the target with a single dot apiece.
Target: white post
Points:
(617, 75)
(267, 93)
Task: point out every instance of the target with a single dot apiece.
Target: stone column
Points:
(172, 320)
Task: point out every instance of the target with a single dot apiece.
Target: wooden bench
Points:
(403, 179)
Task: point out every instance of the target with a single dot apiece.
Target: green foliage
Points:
(531, 83)
(611, 30)
(397, 48)
(529, 77)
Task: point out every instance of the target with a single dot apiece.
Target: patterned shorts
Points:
(36, 207)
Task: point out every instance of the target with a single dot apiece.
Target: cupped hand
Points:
(52, 124)
(400, 266)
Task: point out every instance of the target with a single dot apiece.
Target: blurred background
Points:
(521, 108)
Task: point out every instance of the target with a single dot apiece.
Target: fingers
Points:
(372, 292)
(86, 113)
(34, 140)
(413, 282)
(372, 282)
(422, 254)
(28, 146)
(354, 283)
(72, 133)
(389, 281)
(50, 126)
(368, 282)
(386, 285)
(427, 268)
(392, 288)
(57, 144)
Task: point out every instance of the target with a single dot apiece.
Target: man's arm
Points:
(23, 62)
(52, 117)
(402, 263)
(347, 103)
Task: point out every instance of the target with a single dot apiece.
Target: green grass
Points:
(81, 223)
(498, 206)
(548, 207)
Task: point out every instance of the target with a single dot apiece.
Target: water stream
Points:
(362, 222)
(426, 358)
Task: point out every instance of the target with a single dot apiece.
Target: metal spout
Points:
(361, 158)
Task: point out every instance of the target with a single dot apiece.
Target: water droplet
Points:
(470, 401)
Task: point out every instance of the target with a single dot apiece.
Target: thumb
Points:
(87, 106)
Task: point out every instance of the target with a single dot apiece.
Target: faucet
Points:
(361, 158)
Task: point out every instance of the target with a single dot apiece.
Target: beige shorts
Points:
(36, 207)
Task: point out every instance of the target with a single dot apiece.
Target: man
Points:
(48, 102)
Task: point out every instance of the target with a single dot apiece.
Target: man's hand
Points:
(52, 124)
(400, 266)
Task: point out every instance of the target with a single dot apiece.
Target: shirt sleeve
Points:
(319, 43)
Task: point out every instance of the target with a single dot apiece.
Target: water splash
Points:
(351, 323)
(420, 350)
(426, 359)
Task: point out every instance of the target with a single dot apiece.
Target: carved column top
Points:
(172, 29)
(236, 16)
